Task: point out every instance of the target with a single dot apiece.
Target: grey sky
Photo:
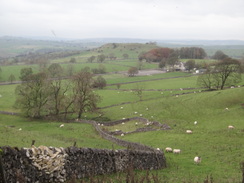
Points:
(150, 19)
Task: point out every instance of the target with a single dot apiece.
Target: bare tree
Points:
(11, 78)
(132, 71)
(138, 91)
(55, 70)
(91, 59)
(224, 73)
(101, 58)
(228, 72)
(33, 94)
(25, 73)
(100, 82)
(84, 97)
(190, 64)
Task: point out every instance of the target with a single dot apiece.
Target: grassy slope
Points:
(48, 133)
(221, 149)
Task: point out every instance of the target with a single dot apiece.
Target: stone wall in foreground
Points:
(50, 164)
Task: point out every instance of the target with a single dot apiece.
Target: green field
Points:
(165, 99)
(221, 149)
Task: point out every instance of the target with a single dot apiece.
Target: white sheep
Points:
(226, 108)
(168, 149)
(231, 127)
(122, 135)
(176, 151)
(121, 107)
(123, 123)
(147, 108)
(123, 118)
(158, 149)
(197, 159)
(20, 129)
(136, 123)
(135, 112)
(188, 131)
(140, 114)
(62, 125)
(195, 123)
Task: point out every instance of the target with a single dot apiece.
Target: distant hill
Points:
(13, 46)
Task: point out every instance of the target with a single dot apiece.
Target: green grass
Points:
(221, 149)
(119, 78)
(175, 83)
(15, 70)
(48, 133)
(7, 98)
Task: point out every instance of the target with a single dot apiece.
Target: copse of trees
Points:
(192, 53)
(40, 96)
(156, 55)
(219, 55)
(168, 54)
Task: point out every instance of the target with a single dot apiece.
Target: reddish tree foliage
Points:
(157, 54)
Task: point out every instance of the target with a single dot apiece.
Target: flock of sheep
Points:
(196, 159)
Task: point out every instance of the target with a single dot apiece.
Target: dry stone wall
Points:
(49, 164)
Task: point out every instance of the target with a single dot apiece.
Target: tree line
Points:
(46, 94)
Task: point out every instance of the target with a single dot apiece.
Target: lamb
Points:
(62, 125)
(188, 131)
(168, 149)
(176, 151)
(231, 127)
(197, 159)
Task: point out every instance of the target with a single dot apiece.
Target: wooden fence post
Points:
(33, 142)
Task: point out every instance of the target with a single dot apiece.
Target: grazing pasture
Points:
(221, 149)
(19, 131)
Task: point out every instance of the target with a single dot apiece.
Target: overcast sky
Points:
(147, 19)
